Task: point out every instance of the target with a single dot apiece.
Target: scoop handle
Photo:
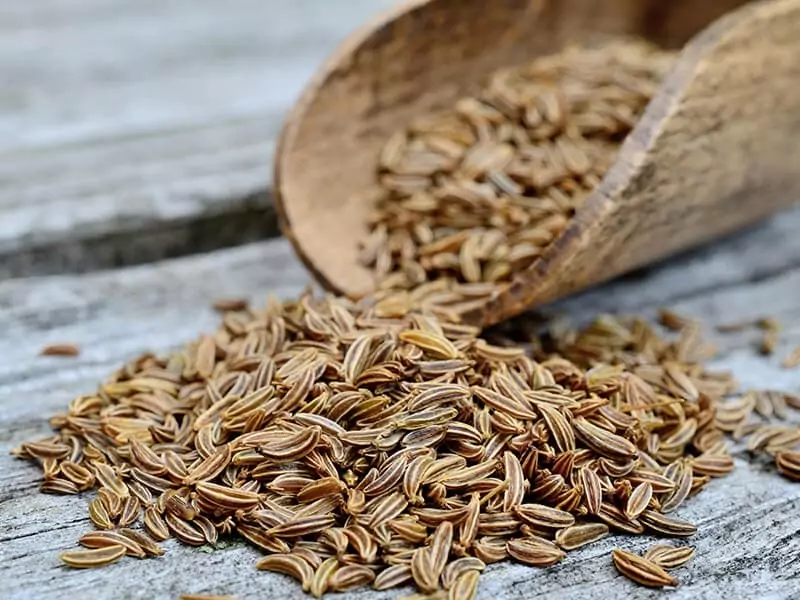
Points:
(718, 148)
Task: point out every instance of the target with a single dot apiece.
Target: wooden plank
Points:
(749, 537)
(126, 125)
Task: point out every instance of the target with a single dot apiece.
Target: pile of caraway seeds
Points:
(382, 442)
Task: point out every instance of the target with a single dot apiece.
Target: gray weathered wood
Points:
(749, 539)
(126, 125)
(133, 130)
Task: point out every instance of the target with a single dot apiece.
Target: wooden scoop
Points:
(717, 148)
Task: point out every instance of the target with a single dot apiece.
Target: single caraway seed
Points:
(288, 564)
(105, 539)
(639, 499)
(534, 552)
(576, 536)
(60, 350)
(145, 542)
(465, 587)
(641, 570)
(229, 304)
(668, 557)
(98, 557)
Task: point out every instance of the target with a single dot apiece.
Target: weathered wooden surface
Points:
(749, 535)
(129, 125)
(749, 539)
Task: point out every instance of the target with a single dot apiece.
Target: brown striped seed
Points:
(545, 516)
(579, 535)
(147, 544)
(661, 523)
(639, 500)
(669, 557)
(788, 464)
(60, 350)
(88, 559)
(641, 570)
(104, 539)
(465, 587)
(533, 552)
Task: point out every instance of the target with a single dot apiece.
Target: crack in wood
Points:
(248, 219)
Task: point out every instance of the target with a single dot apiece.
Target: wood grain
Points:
(136, 129)
(748, 523)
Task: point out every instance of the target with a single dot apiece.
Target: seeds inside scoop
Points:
(476, 193)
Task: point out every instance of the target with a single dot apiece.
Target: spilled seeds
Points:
(360, 450)
(383, 443)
